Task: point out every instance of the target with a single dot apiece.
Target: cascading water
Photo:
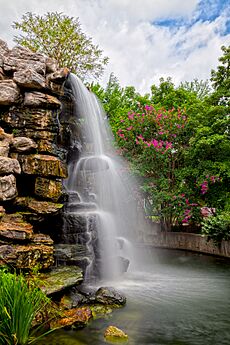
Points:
(100, 195)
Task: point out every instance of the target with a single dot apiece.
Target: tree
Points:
(200, 87)
(221, 79)
(60, 37)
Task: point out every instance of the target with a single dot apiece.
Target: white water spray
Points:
(103, 190)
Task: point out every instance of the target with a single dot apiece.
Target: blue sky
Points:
(144, 39)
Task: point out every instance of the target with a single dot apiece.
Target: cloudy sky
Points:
(144, 39)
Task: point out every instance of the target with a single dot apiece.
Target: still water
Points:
(179, 298)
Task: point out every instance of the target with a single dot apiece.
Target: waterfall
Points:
(101, 214)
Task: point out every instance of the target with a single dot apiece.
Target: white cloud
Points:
(139, 51)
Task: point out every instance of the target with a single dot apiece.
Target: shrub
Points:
(217, 227)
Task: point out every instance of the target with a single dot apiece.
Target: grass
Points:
(19, 304)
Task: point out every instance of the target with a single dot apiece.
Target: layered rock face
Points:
(32, 160)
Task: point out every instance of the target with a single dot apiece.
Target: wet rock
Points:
(42, 165)
(23, 144)
(61, 278)
(123, 264)
(30, 79)
(5, 141)
(70, 254)
(36, 206)
(48, 189)
(8, 190)
(100, 311)
(9, 92)
(9, 166)
(113, 333)
(41, 239)
(26, 256)
(110, 296)
(74, 318)
(41, 100)
(20, 58)
(13, 227)
(28, 118)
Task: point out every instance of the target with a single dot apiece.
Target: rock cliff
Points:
(32, 156)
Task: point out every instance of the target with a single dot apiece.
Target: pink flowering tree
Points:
(155, 140)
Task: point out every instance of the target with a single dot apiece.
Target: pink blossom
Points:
(129, 128)
(122, 120)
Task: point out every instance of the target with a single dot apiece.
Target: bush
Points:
(19, 304)
(217, 227)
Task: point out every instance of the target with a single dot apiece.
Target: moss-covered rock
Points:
(73, 318)
(36, 206)
(48, 189)
(42, 165)
(114, 335)
(61, 278)
(26, 256)
(13, 227)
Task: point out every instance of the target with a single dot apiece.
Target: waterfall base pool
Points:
(179, 298)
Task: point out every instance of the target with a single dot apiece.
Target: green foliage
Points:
(60, 37)
(201, 88)
(19, 304)
(217, 227)
(221, 79)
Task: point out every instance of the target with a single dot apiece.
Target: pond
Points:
(179, 298)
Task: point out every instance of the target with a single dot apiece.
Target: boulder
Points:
(41, 239)
(20, 58)
(41, 100)
(13, 227)
(29, 118)
(37, 207)
(73, 318)
(8, 188)
(9, 92)
(5, 141)
(42, 165)
(2, 75)
(23, 144)
(115, 334)
(51, 65)
(4, 50)
(48, 189)
(9, 166)
(109, 296)
(26, 256)
(61, 278)
(30, 79)
(58, 76)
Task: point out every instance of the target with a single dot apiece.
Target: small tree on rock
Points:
(60, 37)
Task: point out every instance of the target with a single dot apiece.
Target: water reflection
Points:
(179, 299)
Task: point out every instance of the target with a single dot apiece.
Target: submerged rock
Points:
(113, 334)
(61, 278)
(110, 296)
(73, 318)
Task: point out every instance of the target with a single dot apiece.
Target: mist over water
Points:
(104, 190)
